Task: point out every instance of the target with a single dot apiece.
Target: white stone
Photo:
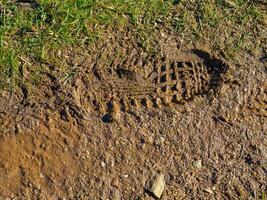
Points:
(158, 186)
(197, 164)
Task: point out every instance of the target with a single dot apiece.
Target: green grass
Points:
(35, 35)
(53, 24)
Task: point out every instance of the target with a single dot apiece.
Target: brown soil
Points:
(123, 117)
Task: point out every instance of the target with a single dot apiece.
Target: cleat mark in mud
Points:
(169, 82)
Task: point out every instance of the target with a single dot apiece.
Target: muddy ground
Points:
(105, 130)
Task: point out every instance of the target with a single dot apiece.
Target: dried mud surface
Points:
(123, 117)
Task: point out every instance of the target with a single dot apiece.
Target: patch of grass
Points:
(9, 72)
(231, 26)
(33, 31)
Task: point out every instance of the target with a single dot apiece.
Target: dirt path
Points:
(106, 131)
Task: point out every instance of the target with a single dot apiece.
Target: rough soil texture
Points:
(123, 117)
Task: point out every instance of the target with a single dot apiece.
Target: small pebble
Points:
(197, 164)
(158, 186)
(103, 164)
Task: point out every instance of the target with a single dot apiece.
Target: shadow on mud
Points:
(215, 67)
